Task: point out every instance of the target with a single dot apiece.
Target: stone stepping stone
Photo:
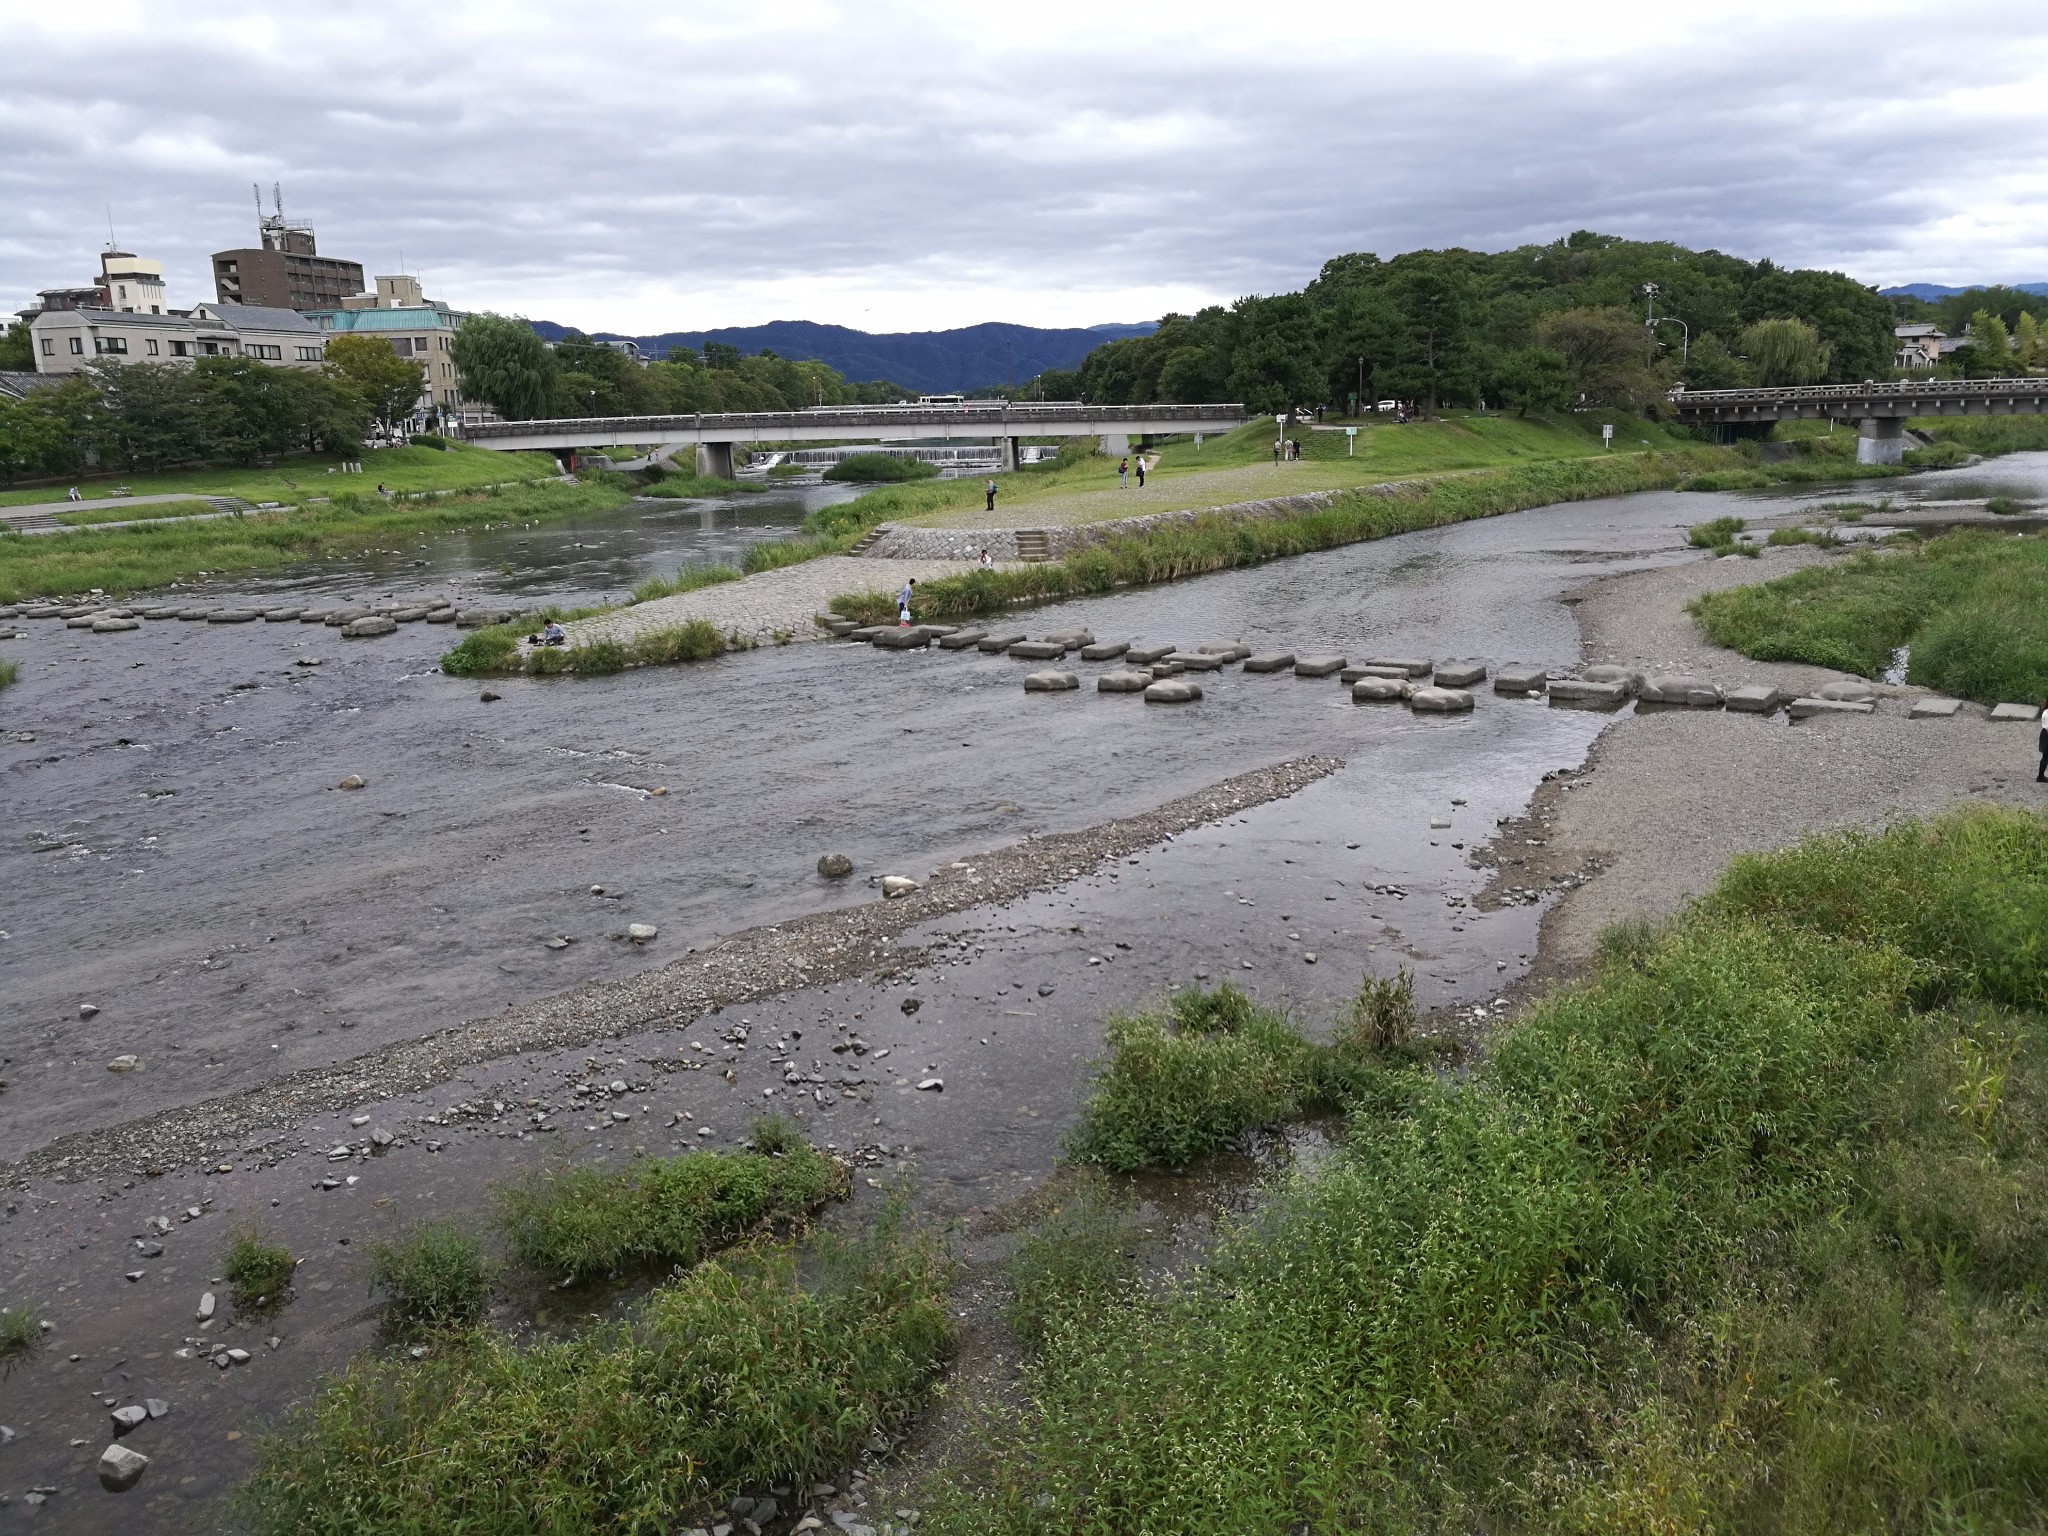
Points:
(1145, 655)
(447, 616)
(961, 639)
(1318, 666)
(1353, 674)
(1520, 679)
(1851, 690)
(113, 626)
(1459, 674)
(997, 643)
(1050, 682)
(1378, 690)
(315, 615)
(1194, 661)
(903, 638)
(402, 615)
(9, 611)
(280, 615)
(233, 616)
(1686, 692)
(1753, 699)
(369, 626)
(1598, 695)
(1038, 650)
(1124, 680)
(43, 611)
(465, 618)
(938, 631)
(1929, 709)
(865, 633)
(194, 615)
(1072, 639)
(160, 613)
(1173, 691)
(1270, 661)
(84, 621)
(2015, 712)
(1806, 709)
(1411, 665)
(1165, 668)
(1104, 650)
(337, 617)
(1440, 701)
(1229, 650)
(78, 611)
(1629, 678)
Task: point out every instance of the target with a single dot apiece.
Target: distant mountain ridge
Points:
(931, 362)
(1928, 292)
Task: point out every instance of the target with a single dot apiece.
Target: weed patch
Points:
(435, 1279)
(21, 1331)
(1075, 1262)
(881, 468)
(260, 1272)
(688, 579)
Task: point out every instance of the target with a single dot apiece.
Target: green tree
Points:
(501, 361)
(1534, 379)
(17, 351)
(36, 438)
(1607, 352)
(2027, 341)
(388, 385)
(1710, 365)
(1854, 322)
(154, 414)
(1277, 363)
(1784, 351)
(1433, 354)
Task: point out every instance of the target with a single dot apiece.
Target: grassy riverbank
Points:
(1972, 605)
(122, 560)
(1743, 1234)
(1215, 542)
(292, 480)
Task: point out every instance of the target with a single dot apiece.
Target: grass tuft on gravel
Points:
(1731, 1237)
(1973, 605)
(583, 1223)
(260, 1272)
(8, 672)
(434, 1279)
(20, 1332)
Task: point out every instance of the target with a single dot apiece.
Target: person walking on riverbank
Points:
(903, 602)
(990, 491)
(1141, 471)
(1123, 474)
(2041, 774)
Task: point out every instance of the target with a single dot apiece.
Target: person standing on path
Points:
(2041, 774)
(1141, 471)
(990, 491)
(1276, 452)
(1123, 474)
(903, 602)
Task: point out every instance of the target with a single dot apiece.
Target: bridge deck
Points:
(1859, 402)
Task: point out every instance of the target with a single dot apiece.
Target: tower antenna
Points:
(110, 226)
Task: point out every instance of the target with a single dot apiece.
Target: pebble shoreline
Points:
(761, 962)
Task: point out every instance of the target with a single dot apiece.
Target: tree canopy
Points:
(388, 385)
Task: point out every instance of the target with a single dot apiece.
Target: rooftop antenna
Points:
(277, 192)
(258, 190)
(110, 226)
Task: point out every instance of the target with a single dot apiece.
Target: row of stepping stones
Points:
(359, 622)
(1441, 687)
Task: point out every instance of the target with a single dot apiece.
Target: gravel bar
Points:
(755, 963)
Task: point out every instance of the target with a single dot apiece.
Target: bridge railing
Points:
(1891, 391)
(993, 419)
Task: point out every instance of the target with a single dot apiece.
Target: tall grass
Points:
(737, 1375)
(434, 1279)
(1972, 605)
(1729, 1238)
(579, 1223)
(496, 651)
(688, 578)
(8, 672)
(259, 1271)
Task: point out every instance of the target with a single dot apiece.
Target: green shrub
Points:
(881, 467)
(1779, 537)
(1727, 480)
(775, 553)
(434, 1279)
(735, 1376)
(429, 440)
(1718, 534)
(483, 653)
(8, 672)
(580, 1223)
(21, 1331)
(2003, 506)
(1938, 456)
(259, 1271)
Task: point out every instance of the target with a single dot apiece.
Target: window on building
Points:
(49, 346)
(115, 344)
(77, 345)
(181, 349)
(151, 344)
(265, 351)
(309, 354)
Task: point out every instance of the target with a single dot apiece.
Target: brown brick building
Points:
(286, 272)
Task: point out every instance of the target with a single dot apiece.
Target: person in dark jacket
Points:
(2041, 775)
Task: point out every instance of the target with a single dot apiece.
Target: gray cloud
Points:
(899, 167)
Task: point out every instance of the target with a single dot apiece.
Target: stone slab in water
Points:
(369, 626)
(1440, 701)
(1629, 678)
(1923, 709)
(1001, 641)
(84, 621)
(1145, 655)
(1679, 689)
(1458, 674)
(1852, 690)
(1806, 709)
(1165, 668)
(1520, 679)
(1038, 650)
(1194, 661)
(280, 615)
(194, 615)
(403, 615)
(1753, 699)
(907, 637)
(233, 616)
(1318, 666)
(1353, 674)
(314, 616)
(1050, 682)
(113, 626)
(961, 639)
(1124, 680)
(1413, 666)
(1269, 661)
(441, 616)
(1104, 650)
(1578, 690)
(1072, 639)
(1378, 690)
(869, 631)
(1173, 691)
(2015, 712)
(1229, 650)
(337, 617)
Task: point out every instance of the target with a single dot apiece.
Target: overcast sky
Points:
(650, 167)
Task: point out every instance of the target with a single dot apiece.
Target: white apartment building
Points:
(66, 340)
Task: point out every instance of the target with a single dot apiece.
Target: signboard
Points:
(1351, 442)
(1607, 434)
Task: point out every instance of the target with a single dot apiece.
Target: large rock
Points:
(640, 933)
(1520, 679)
(1124, 680)
(905, 637)
(367, 628)
(1269, 661)
(1414, 666)
(1038, 650)
(1104, 650)
(1679, 689)
(897, 885)
(1050, 682)
(1173, 691)
(1753, 699)
(1378, 690)
(1000, 641)
(1145, 655)
(835, 866)
(1806, 709)
(1195, 661)
(128, 1418)
(1318, 666)
(1440, 701)
(1458, 674)
(121, 1468)
(1575, 690)
(961, 639)
(1848, 690)
(1629, 678)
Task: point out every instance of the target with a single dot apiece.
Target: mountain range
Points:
(931, 362)
(1928, 292)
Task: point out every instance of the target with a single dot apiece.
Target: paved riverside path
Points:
(41, 516)
(759, 606)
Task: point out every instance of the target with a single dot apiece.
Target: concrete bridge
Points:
(1879, 410)
(1000, 422)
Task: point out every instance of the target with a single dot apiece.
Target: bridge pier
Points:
(1116, 445)
(714, 461)
(1881, 440)
(1007, 448)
